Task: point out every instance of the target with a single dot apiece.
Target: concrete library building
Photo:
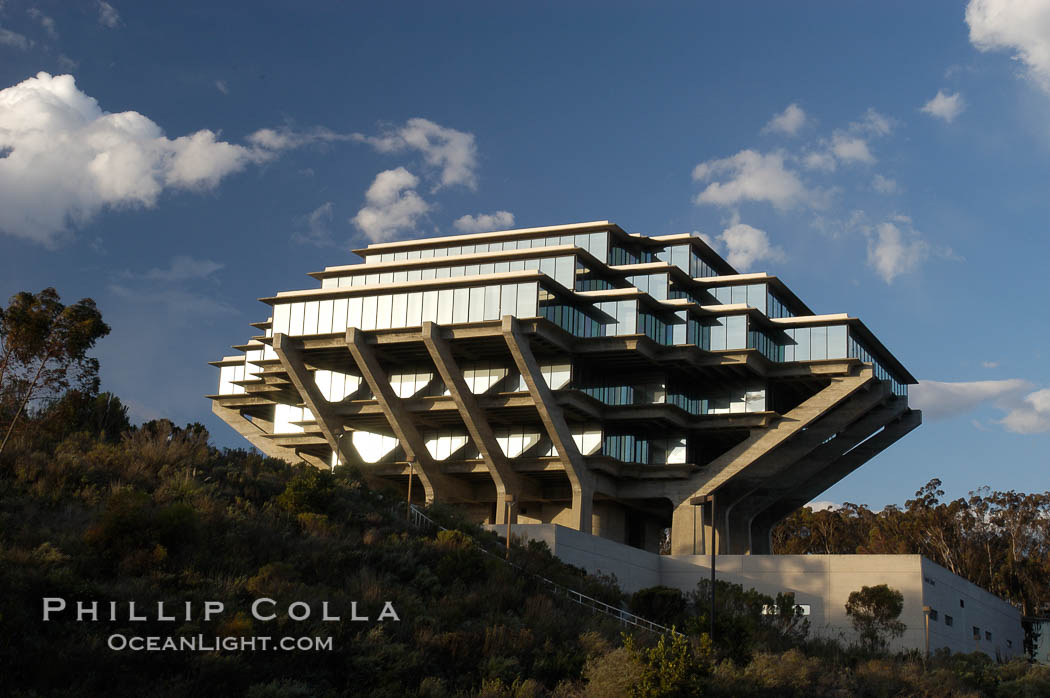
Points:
(598, 389)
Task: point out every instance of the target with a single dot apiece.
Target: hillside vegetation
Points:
(92, 508)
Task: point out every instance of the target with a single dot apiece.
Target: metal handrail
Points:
(420, 520)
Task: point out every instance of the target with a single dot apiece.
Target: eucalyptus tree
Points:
(43, 352)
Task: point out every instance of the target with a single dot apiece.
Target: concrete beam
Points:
(507, 482)
(735, 462)
(437, 486)
(254, 433)
(580, 478)
(843, 466)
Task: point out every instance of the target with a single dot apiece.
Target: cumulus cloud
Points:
(944, 106)
(391, 205)
(884, 185)
(316, 227)
(1031, 415)
(453, 154)
(788, 121)
(14, 40)
(108, 15)
(66, 159)
(850, 148)
(485, 222)
(744, 245)
(822, 505)
(750, 176)
(1020, 27)
(895, 248)
(942, 400)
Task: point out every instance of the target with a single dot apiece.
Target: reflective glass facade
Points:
(587, 299)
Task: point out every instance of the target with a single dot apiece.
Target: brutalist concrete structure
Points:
(617, 384)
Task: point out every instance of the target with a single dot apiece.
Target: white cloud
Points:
(893, 251)
(850, 148)
(990, 364)
(46, 22)
(788, 121)
(14, 40)
(873, 124)
(818, 160)
(944, 106)
(108, 15)
(453, 153)
(1031, 415)
(744, 245)
(823, 505)
(1019, 26)
(391, 205)
(67, 159)
(941, 400)
(222, 87)
(884, 185)
(751, 176)
(485, 222)
(286, 139)
(181, 268)
(317, 227)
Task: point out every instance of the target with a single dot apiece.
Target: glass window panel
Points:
(802, 351)
(399, 310)
(527, 297)
(295, 326)
(280, 318)
(837, 342)
(324, 317)
(736, 332)
(353, 312)
(491, 302)
(444, 306)
(414, 315)
(310, 318)
(472, 270)
(430, 306)
(476, 312)
(461, 305)
(339, 315)
(627, 315)
(383, 305)
(756, 296)
(718, 335)
(565, 271)
(738, 294)
(818, 343)
(508, 299)
(368, 313)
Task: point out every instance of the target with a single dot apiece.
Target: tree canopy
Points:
(43, 352)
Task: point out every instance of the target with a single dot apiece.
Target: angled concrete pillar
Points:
(506, 481)
(580, 479)
(840, 468)
(289, 351)
(437, 485)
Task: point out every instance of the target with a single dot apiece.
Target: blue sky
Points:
(890, 160)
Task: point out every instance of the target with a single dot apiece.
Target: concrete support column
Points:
(581, 479)
(437, 486)
(738, 528)
(506, 481)
(687, 529)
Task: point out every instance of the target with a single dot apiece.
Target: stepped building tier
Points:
(618, 384)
